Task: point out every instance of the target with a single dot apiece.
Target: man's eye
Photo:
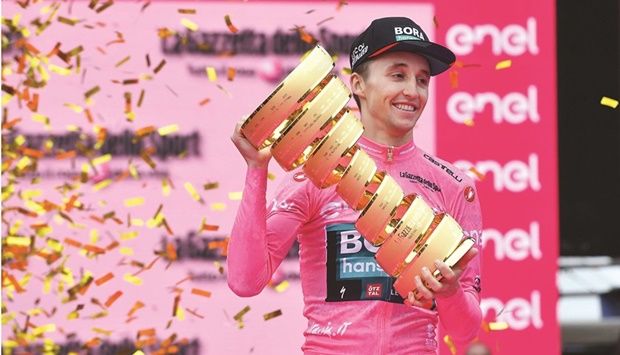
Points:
(398, 75)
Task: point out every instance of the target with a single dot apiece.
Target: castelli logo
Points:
(470, 194)
(299, 177)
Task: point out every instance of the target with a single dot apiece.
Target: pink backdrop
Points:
(511, 142)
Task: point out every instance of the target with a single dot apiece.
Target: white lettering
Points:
(360, 266)
(515, 176)
(519, 313)
(352, 242)
(333, 209)
(517, 244)
(514, 108)
(513, 40)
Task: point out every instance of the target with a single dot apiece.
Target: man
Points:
(392, 63)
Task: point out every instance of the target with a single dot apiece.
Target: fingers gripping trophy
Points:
(306, 124)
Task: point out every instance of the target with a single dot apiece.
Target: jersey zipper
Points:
(390, 154)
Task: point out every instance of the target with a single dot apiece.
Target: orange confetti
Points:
(200, 292)
(135, 307)
(172, 253)
(478, 174)
(113, 298)
(306, 37)
(65, 155)
(454, 79)
(146, 332)
(231, 74)
(103, 279)
(201, 103)
(231, 27)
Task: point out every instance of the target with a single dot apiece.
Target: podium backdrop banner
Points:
(120, 183)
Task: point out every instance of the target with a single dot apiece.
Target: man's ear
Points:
(356, 82)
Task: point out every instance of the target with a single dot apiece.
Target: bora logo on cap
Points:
(408, 33)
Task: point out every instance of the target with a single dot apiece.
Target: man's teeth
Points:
(405, 107)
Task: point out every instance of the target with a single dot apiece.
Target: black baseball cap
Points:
(391, 34)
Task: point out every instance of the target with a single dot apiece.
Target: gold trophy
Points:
(306, 123)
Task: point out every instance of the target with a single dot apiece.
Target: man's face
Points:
(394, 94)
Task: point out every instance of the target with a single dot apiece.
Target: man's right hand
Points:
(253, 157)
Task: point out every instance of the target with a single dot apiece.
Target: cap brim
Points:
(439, 57)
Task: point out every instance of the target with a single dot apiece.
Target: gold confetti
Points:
(189, 24)
(450, 344)
(231, 27)
(498, 325)
(436, 22)
(190, 188)
(282, 286)
(503, 64)
(168, 129)
(159, 66)
(273, 314)
(204, 102)
(136, 201)
(218, 206)
(235, 195)
(187, 11)
(325, 20)
(212, 74)
(133, 279)
(607, 101)
(123, 61)
(469, 122)
(241, 313)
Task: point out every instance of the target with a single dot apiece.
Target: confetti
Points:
(231, 27)
(136, 201)
(241, 313)
(231, 74)
(218, 206)
(168, 129)
(212, 74)
(103, 279)
(435, 21)
(503, 64)
(477, 173)
(235, 195)
(607, 101)
(199, 292)
(454, 79)
(189, 24)
(325, 20)
(133, 279)
(204, 102)
(282, 286)
(190, 188)
(450, 344)
(273, 314)
(498, 325)
(187, 11)
(113, 298)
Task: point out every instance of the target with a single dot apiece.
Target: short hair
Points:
(362, 70)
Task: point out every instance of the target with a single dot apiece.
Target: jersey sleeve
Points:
(262, 233)
(461, 314)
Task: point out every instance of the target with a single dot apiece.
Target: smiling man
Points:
(350, 302)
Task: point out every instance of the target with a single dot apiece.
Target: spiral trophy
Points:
(306, 124)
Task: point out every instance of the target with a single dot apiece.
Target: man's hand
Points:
(429, 287)
(253, 157)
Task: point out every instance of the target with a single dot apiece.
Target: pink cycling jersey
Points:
(349, 301)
